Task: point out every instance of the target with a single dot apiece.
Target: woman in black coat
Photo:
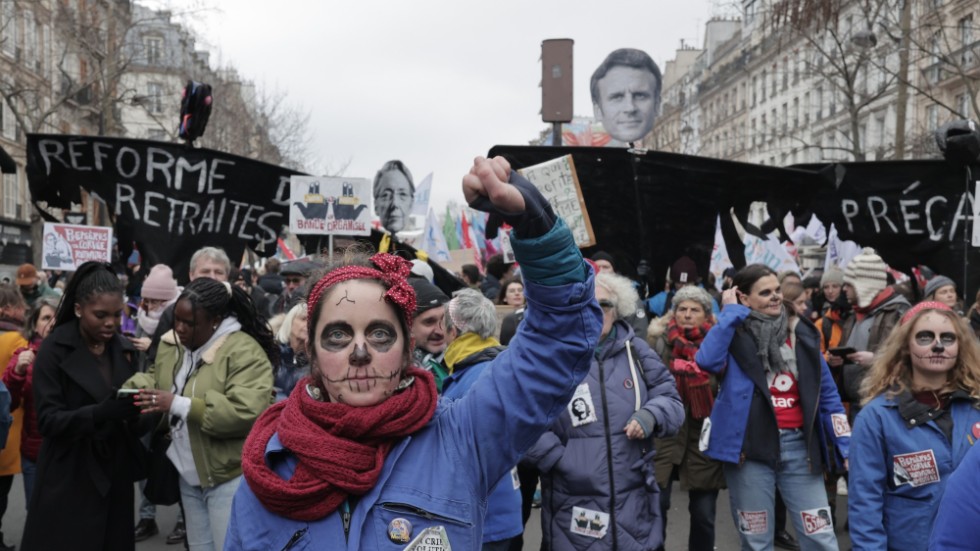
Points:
(90, 455)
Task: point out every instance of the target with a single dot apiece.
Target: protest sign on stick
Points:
(558, 182)
(68, 246)
(330, 206)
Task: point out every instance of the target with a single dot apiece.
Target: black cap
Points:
(427, 295)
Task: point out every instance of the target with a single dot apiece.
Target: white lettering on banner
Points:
(161, 166)
(910, 215)
(915, 469)
(220, 215)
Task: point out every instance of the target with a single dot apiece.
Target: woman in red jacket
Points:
(17, 377)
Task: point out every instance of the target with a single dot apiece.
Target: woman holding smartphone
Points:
(90, 454)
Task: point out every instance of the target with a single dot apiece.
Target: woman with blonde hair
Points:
(921, 417)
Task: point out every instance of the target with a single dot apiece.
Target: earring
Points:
(215, 327)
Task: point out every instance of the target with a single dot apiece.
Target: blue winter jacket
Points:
(959, 509)
(438, 478)
(730, 424)
(893, 508)
(503, 519)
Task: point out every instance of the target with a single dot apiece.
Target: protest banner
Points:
(329, 206)
(68, 246)
(167, 198)
(557, 181)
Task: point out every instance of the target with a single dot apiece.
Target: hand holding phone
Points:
(842, 351)
(127, 393)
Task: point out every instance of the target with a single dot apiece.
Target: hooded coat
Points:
(587, 468)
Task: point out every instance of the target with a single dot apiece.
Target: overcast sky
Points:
(430, 82)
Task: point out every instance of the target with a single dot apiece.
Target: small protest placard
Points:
(323, 206)
(68, 246)
(587, 522)
(558, 182)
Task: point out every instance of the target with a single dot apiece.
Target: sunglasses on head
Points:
(926, 338)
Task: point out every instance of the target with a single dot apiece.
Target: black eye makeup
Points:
(927, 338)
(336, 336)
(381, 336)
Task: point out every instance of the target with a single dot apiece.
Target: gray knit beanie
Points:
(936, 283)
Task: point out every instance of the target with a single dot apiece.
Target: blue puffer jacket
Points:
(576, 461)
(731, 426)
(438, 478)
(893, 508)
(503, 519)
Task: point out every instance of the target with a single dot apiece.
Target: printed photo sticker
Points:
(915, 469)
(581, 409)
(753, 522)
(816, 521)
(587, 522)
(841, 426)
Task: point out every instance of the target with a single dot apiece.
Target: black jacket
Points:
(86, 468)
(761, 441)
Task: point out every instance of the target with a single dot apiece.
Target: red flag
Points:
(285, 250)
(467, 239)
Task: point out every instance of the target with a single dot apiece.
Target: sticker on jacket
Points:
(587, 522)
(753, 522)
(705, 438)
(841, 426)
(915, 469)
(816, 521)
(581, 409)
(433, 538)
(515, 480)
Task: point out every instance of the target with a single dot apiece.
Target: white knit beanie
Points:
(868, 274)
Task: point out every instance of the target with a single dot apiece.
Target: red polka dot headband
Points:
(392, 270)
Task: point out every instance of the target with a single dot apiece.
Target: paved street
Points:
(726, 536)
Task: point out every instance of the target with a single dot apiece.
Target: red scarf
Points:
(881, 298)
(693, 385)
(341, 449)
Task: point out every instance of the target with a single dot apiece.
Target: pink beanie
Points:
(160, 284)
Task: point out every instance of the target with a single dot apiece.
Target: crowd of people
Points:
(359, 403)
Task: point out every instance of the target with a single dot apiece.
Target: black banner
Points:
(659, 206)
(168, 198)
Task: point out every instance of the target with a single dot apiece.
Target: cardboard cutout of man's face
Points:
(627, 104)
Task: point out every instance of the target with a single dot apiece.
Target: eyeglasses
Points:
(607, 304)
(926, 338)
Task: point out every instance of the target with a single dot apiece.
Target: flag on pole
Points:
(433, 241)
(285, 250)
(422, 194)
(449, 231)
(466, 230)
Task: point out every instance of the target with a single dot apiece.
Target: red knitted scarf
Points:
(341, 449)
(693, 385)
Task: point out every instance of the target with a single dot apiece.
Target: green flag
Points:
(449, 231)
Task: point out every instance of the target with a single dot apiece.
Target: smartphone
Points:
(842, 351)
(127, 392)
(129, 334)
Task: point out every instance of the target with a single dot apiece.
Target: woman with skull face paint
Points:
(921, 417)
(777, 418)
(363, 454)
(212, 377)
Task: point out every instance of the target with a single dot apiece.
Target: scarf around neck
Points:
(769, 334)
(340, 449)
(693, 384)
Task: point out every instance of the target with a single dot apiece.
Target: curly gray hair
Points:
(471, 312)
(695, 294)
(623, 293)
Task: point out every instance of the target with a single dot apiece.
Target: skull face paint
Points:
(359, 345)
